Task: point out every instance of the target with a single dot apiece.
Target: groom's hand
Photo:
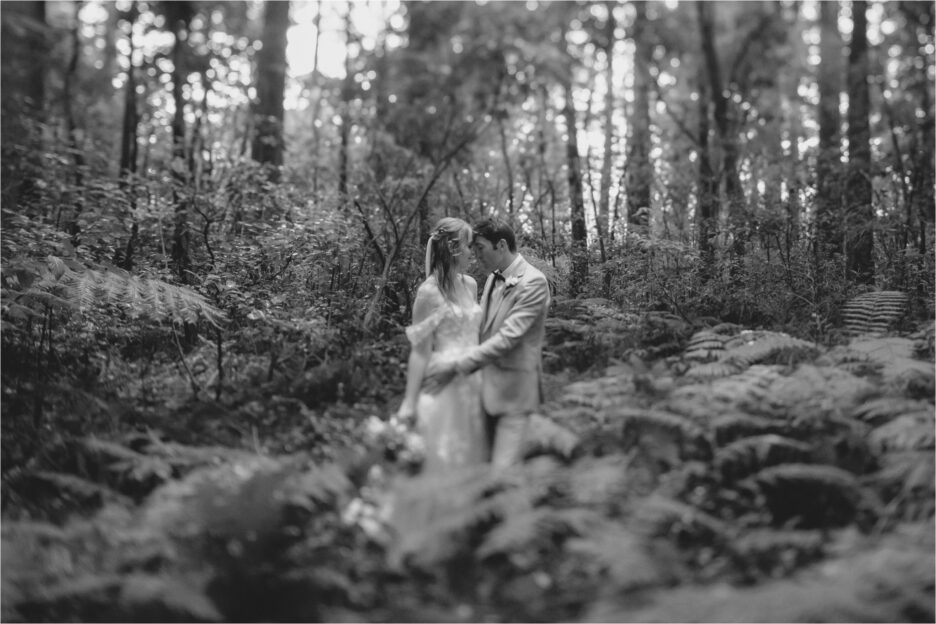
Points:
(438, 375)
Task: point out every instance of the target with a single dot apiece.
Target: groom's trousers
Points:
(506, 435)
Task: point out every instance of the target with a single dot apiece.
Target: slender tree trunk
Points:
(828, 165)
(921, 16)
(639, 168)
(271, 85)
(179, 14)
(737, 213)
(859, 232)
(128, 142)
(579, 277)
(707, 213)
(317, 98)
(347, 95)
(505, 153)
(604, 191)
(71, 127)
(24, 60)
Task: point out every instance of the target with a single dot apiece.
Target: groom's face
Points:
(486, 253)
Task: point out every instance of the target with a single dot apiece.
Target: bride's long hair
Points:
(442, 250)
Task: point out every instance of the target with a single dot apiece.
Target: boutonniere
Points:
(511, 281)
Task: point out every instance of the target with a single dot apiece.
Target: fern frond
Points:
(537, 528)
(659, 515)
(851, 360)
(78, 488)
(750, 387)
(623, 556)
(748, 455)
(730, 427)
(88, 288)
(907, 479)
(600, 481)
(874, 312)
(908, 432)
(885, 409)
(816, 494)
(704, 346)
(712, 370)
(771, 347)
(772, 551)
(544, 436)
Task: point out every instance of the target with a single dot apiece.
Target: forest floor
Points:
(676, 472)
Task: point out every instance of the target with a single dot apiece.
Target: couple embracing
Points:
(475, 370)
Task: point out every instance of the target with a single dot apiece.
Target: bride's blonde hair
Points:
(442, 249)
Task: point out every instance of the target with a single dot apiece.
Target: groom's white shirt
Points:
(511, 340)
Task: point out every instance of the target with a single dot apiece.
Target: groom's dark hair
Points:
(494, 230)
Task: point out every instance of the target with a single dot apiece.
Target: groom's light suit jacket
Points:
(511, 341)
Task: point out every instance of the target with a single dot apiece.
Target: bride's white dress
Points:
(451, 422)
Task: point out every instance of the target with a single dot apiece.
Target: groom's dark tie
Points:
(498, 276)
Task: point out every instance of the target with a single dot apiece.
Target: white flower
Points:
(511, 281)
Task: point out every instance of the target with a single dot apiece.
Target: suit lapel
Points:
(494, 310)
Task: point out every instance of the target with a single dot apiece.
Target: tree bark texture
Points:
(639, 167)
(267, 145)
(579, 276)
(828, 165)
(859, 215)
(179, 15)
(725, 129)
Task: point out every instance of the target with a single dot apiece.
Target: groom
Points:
(514, 304)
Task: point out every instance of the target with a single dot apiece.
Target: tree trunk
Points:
(347, 95)
(267, 145)
(71, 127)
(604, 189)
(179, 14)
(639, 168)
(128, 142)
(22, 83)
(725, 129)
(859, 220)
(707, 213)
(579, 251)
(828, 164)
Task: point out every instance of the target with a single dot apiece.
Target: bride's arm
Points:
(420, 351)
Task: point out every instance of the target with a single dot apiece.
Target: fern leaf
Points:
(732, 426)
(905, 433)
(648, 420)
(78, 488)
(172, 598)
(748, 455)
(659, 515)
(704, 346)
(815, 494)
(543, 436)
(770, 348)
(885, 409)
(88, 288)
(623, 557)
(874, 312)
(536, 528)
(773, 552)
(712, 370)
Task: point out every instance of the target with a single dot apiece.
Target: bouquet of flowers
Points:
(400, 441)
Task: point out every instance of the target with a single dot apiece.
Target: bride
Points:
(446, 319)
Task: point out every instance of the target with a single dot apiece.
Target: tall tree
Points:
(639, 167)
(579, 275)
(724, 128)
(128, 137)
(267, 145)
(22, 78)
(179, 15)
(859, 221)
(828, 161)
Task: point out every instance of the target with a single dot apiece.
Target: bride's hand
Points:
(437, 376)
(406, 414)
